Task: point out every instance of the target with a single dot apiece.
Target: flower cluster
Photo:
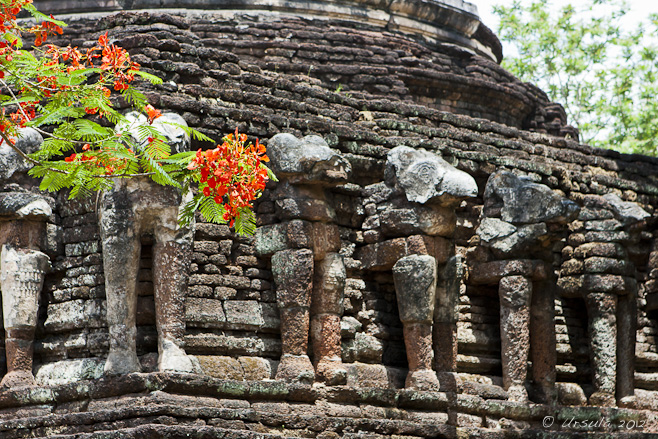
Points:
(232, 173)
(41, 31)
(116, 67)
(59, 88)
(51, 76)
(100, 159)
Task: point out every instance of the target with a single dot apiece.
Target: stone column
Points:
(415, 288)
(515, 294)
(543, 340)
(23, 216)
(602, 322)
(445, 321)
(121, 249)
(326, 311)
(171, 264)
(21, 279)
(293, 274)
(626, 334)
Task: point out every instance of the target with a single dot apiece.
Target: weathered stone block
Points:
(524, 238)
(608, 283)
(293, 274)
(299, 234)
(295, 325)
(307, 209)
(399, 222)
(572, 267)
(626, 211)
(326, 239)
(382, 256)
(515, 291)
(364, 348)
(570, 394)
(437, 221)
(204, 312)
(69, 371)
(598, 264)
(361, 375)
(349, 326)
(603, 225)
(415, 284)
(226, 368)
(66, 316)
(82, 248)
(489, 273)
(206, 279)
(237, 282)
(603, 249)
(328, 285)
(607, 236)
(199, 291)
(243, 313)
(271, 318)
(256, 369)
(207, 247)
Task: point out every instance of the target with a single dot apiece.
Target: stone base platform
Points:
(160, 405)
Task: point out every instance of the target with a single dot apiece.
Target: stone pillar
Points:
(415, 288)
(445, 316)
(522, 219)
(626, 334)
(603, 272)
(543, 340)
(171, 265)
(121, 249)
(293, 274)
(515, 294)
(602, 322)
(21, 279)
(326, 311)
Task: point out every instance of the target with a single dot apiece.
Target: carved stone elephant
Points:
(132, 208)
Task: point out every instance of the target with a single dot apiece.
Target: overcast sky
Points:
(639, 9)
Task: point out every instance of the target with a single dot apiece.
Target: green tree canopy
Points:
(603, 74)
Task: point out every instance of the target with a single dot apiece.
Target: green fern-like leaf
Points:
(194, 134)
(152, 78)
(212, 211)
(186, 215)
(245, 223)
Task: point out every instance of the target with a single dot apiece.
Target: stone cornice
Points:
(448, 21)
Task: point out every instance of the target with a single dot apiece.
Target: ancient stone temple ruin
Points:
(441, 257)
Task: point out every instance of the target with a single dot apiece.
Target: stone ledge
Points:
(201, 406)
(452, 21)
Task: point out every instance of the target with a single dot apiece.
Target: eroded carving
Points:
(308, 271)
(132, 208)
(412, 216)
(522, 219)
(23, 266)
(601, 271)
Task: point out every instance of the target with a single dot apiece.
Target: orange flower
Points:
(152, 113)
(231, 173)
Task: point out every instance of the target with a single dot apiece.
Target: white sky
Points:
(639, 10)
